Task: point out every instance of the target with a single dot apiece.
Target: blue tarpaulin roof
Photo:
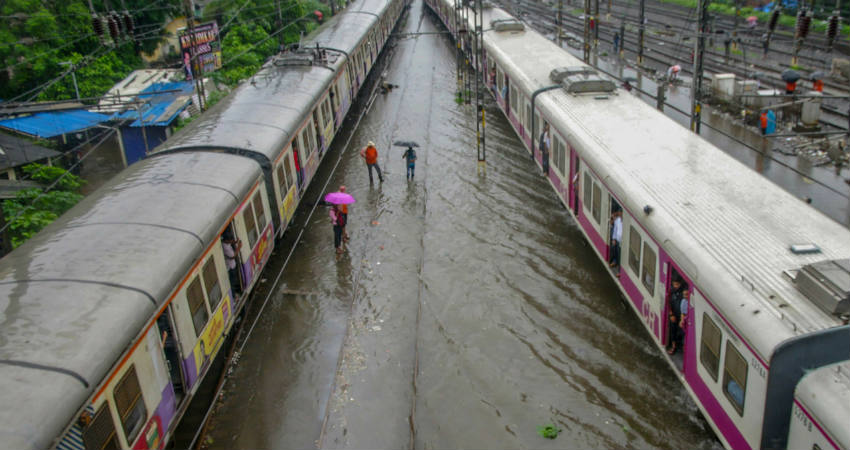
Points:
(52, 124)
(161, 108)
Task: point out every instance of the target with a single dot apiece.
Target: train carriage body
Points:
(113, 314)
(690, 212)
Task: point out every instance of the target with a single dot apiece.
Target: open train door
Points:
(575, 170)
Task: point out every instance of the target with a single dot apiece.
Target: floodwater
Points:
(466, 313)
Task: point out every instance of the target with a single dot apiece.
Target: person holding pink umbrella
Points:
(338, 219)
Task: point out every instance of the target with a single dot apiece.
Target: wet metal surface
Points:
(466, 312)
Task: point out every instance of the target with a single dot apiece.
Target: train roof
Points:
(263, 114)
(728, 227)
(75, 295)
(825, 394)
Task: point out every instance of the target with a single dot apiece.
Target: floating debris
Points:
(548, 431)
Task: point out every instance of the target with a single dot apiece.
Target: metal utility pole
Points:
(73, 75)
(623, 37)
(466, 50)
(699, 50)
(595, 23)
(193, 57)
(479, 95)
(587, 31)
(641, 25)
(560, 19)
(458, 55)
(279, 25)
(735, 26)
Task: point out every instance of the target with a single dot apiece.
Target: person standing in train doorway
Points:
(545, 142)
(370, 154)
(616, 238)
(675, 335)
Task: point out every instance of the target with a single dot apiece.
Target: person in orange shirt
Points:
(817, 85)
(370, 154)
(344, 210)
(763, 122)
(790, 86)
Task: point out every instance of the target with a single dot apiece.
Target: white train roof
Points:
(74, 296)
(825, 395)
(728, 227)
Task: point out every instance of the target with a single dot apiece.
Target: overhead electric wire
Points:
(224, 63)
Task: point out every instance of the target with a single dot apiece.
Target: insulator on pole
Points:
(774, 19)
(97, 26)
(832, 28)
(129, 26)
(804, 22)
(114, 30)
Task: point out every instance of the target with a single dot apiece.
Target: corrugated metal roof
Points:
(52, 124)
(160, 108)
(16, 152)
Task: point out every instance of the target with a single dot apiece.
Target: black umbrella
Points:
(790, 75)
(406, 144)
(816, 75)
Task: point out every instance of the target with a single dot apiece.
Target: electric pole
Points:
(479, 96)
(595, 23)
(587, 31)
(560, 19)
(641, 25)
(699, 50)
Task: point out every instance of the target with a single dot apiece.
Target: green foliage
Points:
(40, 34)
(548, 431)
(33, 209)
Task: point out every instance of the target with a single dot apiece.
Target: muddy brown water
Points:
(466, 312)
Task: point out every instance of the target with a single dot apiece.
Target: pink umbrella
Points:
(676, 68)
(339, 198)
(752, 20)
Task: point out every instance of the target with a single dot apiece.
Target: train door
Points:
(233, 261)
(676, 288)
(615, 235)
(507, 95)
(171, 351)
(317, 127)
(574, 181)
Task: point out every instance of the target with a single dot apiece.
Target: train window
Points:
(213, 287)
(588, 190)
(100, 433)
(311, 136)
(709, 351)
(130, 404)
(250, 224)
(537, 132)
(554, 142)
(287, 164)
(634, 249)
(281, 182)
(261, 212)
(500, 80)
(195, 296)
(527, 118)
(514, 94)
(326, 111)
(562, 156)
(597, 203)
(735, 377)
(648, 277)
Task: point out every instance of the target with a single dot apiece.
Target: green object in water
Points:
(548, 431)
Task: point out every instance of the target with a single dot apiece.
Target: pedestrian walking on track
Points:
(370, 154)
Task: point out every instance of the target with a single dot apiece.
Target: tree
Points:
(33, 209)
